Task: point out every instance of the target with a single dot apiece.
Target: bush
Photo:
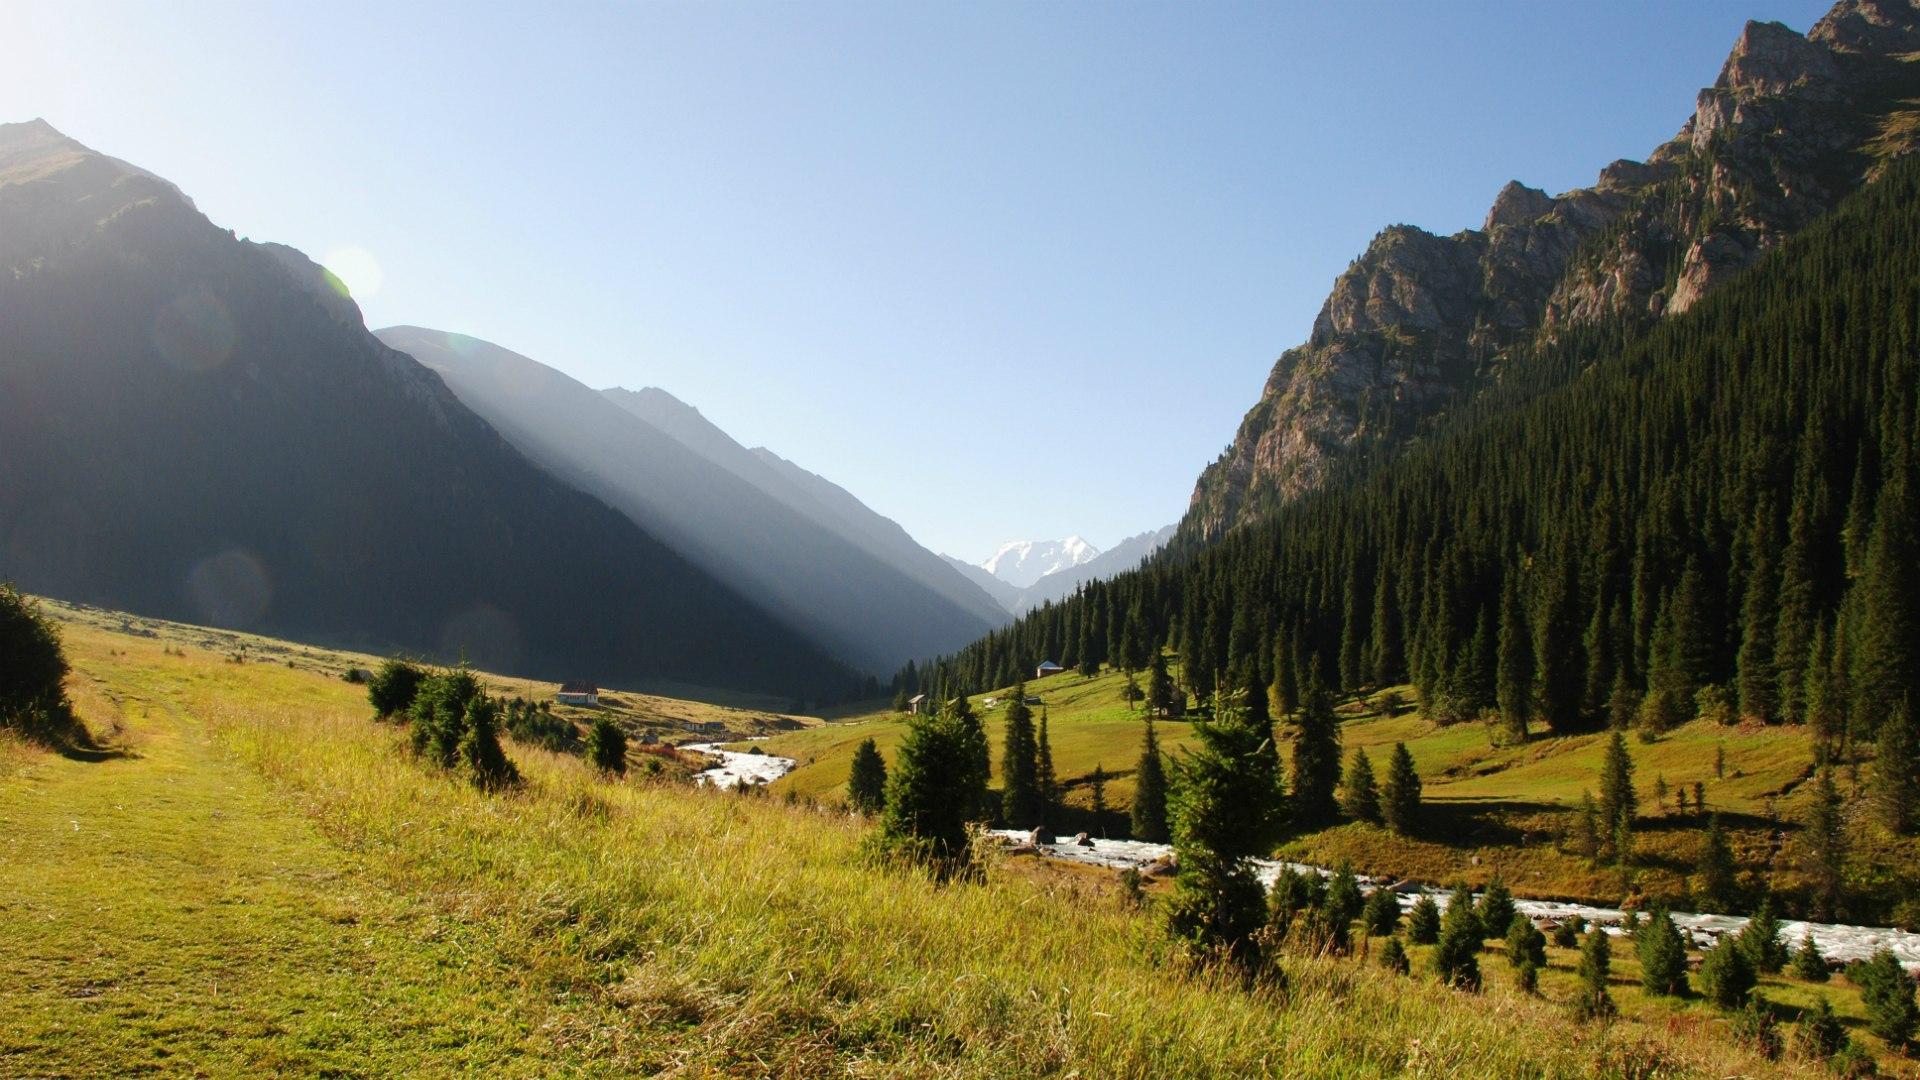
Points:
(1715, 703)
(33, 695)
(536, 725)
(392, 689)
(1567, 934)
(607, 746)
(455, 724)
(1887, 993)
(1755, 1027)
(1727, 975)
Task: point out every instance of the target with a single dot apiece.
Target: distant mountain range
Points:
(814, 555)
(1074, 561)
(200, 427)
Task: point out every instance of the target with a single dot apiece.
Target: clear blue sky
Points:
(1002, 270)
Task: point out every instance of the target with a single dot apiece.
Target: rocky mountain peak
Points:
(1771, 59)
(1876, 27)
(1518, 204)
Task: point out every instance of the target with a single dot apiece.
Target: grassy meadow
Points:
(259, 879)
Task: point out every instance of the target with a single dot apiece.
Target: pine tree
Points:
(1150, 792)
(1455, 957)
(1021, 803)
(1896, 770)
(1044, 778)
(1713, 878)
(1808, 964)
(1525, 944)
(937, 786)
(1381, 915)
(392, 688)
(1286, 685)
(1824, 711)
(1562, 659)
(1587, 839)
(1886, 600)
(1596, 962)
(1423, 921)
(1340, 908)
(1727, 976)
(1758, 678)
(487, 763)
(1400, 798)
(1097, 792)
(1316, 760)
(1887, 993)
(1227, 806)
(1663, 955)
(1516, 664)
(1495, 910)
(1821, 1035)
(1825, 845)
(607, 746)
(1393, 957)
(1618, 803)
(867, 779)
(1358, 795)
(1760, 939)
(1159, 685)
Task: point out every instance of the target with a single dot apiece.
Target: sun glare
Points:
(357, 269)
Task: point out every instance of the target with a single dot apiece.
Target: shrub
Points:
(1567, 934)
(455, 724)
(1727, 975)
(1755, 1027)
(392, 689)
(1393, 957)
(1714, 702)
(33, 696)
(1527, 976)
(607, 746)
(536, 725)
(1887, 993)
(487, 764)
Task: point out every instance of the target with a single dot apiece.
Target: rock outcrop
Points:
(1420, 323)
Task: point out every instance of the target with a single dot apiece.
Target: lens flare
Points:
(193, 332)
(357, 270)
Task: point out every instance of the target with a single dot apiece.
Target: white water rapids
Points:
(1838, 943)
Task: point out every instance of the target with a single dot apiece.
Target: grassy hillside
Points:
(263, 881)
(1490, 808)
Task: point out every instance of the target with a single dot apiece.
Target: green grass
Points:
(266, 883)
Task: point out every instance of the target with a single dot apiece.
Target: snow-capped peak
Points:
(1020, 563)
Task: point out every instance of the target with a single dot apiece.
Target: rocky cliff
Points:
(1420, 323)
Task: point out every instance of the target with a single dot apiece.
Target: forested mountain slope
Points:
(1421, 325)
(1723, 502)
(196, 426)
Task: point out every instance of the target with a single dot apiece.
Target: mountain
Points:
(1003, 594)
(860, 607)
(200, 427)
(1118, 559)
(1421, 325)
(1020, 563)
(820, 500)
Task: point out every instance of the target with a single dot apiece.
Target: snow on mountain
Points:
(1020, 563)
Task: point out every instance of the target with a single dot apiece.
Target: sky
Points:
(1003, 270)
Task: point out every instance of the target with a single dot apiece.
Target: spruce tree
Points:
(1286, 684)
(1495, 909)
(1455, 956)
(1393, 957)
(937, 786)
(486, 762)
(1824, 711)
(1760, 939)
(1885, 641)
(1423, 921)
(1097, 793)
(867, 779)
(1618, 803)
(1596, 962)
(1825, 840)
(1021, 803)
(1727, 975)
(1758, 680)
(1381, 915)
(392, 688)
(1400, 798)
(1887, 992)
(1316, 760)
(1526, 944)
(1713, 878)
(607, 746)
(1663, 955)
(1359, 796)
(1159, 685)
(1340, 908)
(1896, 770)
(1562, 659)
(1808, 964)
(1150, 791)
(1516, 663)
(1044, 778)
(1227, 807)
